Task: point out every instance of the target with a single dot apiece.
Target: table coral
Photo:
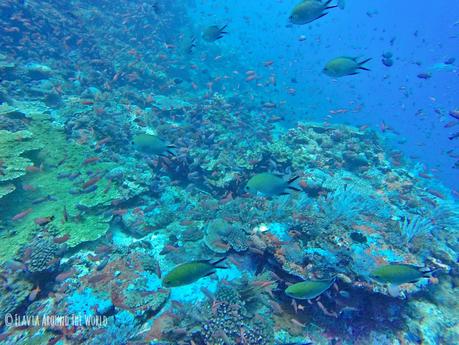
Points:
(13, 147)
(58, 158)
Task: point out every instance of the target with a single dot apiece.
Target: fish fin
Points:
(394, 290)
(354, 73)
(328, 2)
(294, 188)
(171, 153)
(209, 274)
(427, 272)
(284, 193)
(364, 62)
(171, 146)
(364, 68)
(223, 28)
(216, 262)
(329, 7)
(293, 179)
(322, 15)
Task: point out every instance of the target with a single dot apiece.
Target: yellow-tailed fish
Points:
(309, 10)
(344, 66)
(190, 272)
(309, 289)
(269, 184)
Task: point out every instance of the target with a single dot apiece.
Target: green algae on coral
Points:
(6, 189)
(12, 146)
(56, 156)
(33, 110)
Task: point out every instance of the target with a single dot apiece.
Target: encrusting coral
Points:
(53, 184)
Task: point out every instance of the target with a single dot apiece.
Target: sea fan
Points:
(344, 205)
(445, 216)
(416, 226)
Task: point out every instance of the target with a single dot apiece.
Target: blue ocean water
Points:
(229, 172)
(420, 37)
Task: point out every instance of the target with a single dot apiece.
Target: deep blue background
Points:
(424, 33)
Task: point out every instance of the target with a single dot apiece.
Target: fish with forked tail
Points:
(344, 66)
(308, 11)
(214, 33)
(398, 274)
(269, 184)
(190, 272)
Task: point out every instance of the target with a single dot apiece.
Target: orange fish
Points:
(28, 188)
(91, 160)
(32, 168)
(42, 221)
(33, 295)
(64, 275)
(22, 214)
(91, 182)
(62, 239)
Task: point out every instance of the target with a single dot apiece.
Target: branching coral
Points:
(227, 321)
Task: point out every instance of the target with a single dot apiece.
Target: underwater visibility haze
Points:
(217, 172)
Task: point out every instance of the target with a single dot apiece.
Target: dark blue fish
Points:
(62, 175)
(388, 62)
(424, 76)
(387, 55)
(49, 197)
(454, 114)
(90, 189)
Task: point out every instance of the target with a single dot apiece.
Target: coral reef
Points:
(222, 236)
(42, 255)
(13, 145)
(227, 320)
(90, 224)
